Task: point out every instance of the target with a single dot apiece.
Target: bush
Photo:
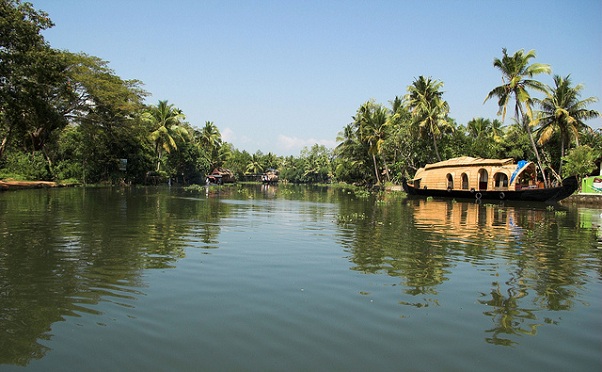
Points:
(22, 166)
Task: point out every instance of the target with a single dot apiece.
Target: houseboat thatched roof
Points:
(468, 161)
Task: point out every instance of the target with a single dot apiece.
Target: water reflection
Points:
(61, 253)
(523, 261)
(85, 254)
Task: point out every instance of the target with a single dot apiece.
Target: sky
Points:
(277, 75)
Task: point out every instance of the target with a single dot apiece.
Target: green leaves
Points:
(580, 161)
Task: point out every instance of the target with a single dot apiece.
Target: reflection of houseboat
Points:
(270, 176)
(475, 178)
(220, 176)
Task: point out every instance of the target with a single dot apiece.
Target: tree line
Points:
(68, 116)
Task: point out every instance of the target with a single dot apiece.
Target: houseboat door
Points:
(483, 177)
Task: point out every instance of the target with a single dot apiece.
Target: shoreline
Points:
(20, 185)
(575, 199)
(594, 200)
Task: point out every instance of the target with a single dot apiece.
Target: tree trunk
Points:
(387, 173)
(3, 146)
(561, 156)
(436, 148)
(375, 169)
(534, 146)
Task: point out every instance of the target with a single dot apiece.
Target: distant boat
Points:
(489, 179)
(220, 176)
(270, 176)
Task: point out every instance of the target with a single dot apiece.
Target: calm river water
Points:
(285, 278)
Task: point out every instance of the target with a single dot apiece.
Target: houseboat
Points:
(270, 177)
(220, 176)
(488, 179)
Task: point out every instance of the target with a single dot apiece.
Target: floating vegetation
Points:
(362, 194)
(194, 188)
(351, 218)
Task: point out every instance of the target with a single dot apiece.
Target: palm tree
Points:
(350, 152)
(478, 127)
(211, 140)
(225, 153)
(348, 142)
(373, 123)
(428, 109)
(165, 122)
(254, 166)
(485, 137)
(516, 74)
(562, 112)
(270, 160)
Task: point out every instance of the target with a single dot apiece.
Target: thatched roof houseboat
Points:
(476, 178)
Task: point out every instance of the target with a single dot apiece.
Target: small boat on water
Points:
(270, 177)
(490, 179)
(220, 176)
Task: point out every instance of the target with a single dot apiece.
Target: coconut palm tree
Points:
(564, 113)
(373, 123)
(165, 121)
(428, 109)
(210, 139)
(350, 152)
(516, 81)
(255, 164)
(478, 127)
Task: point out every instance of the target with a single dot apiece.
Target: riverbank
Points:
(583, 199)
(6, 185)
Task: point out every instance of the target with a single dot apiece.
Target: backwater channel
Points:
(294, 278)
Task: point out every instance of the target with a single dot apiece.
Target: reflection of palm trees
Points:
(422, 240)
(508, 317)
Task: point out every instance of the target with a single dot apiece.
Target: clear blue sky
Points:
(277, 76)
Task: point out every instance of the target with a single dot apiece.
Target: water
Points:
(294, 278)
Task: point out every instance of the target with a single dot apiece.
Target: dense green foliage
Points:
(66, 116)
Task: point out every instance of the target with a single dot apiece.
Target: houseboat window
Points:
(483, 176)
(464, 181)
(450, 181)
(501, 180)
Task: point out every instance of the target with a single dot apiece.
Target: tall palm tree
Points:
(373, 123)
(563, 112)
(516, 80)
(210, 139)
(165, 121)
(428, 109)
